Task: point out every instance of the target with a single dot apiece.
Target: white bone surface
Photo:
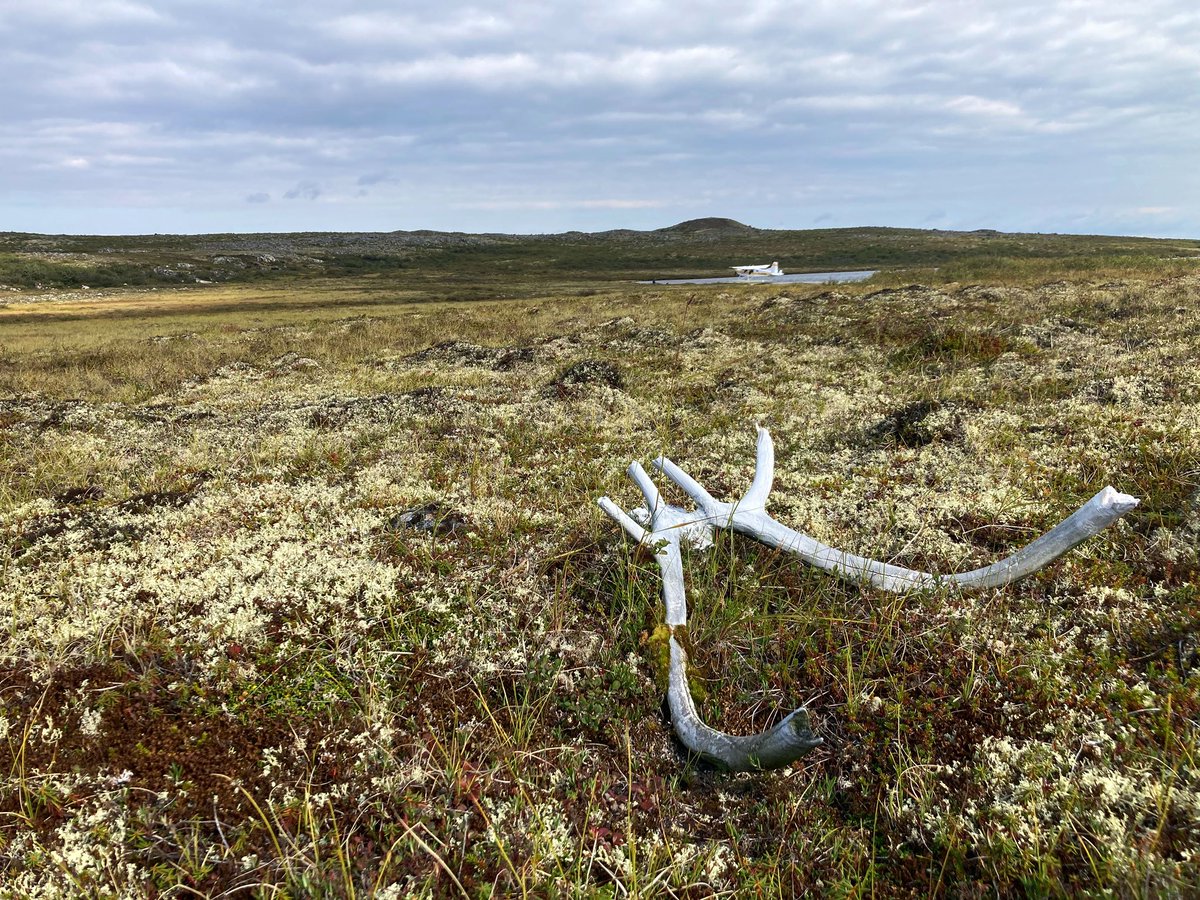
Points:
(668, 526)
(749, 517)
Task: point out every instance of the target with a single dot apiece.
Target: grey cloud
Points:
(373, 178)
(259, 197)
(304, 190)
(68, 14)
(389, 28)
(888, 108)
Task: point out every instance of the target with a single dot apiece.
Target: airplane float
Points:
(763, 271)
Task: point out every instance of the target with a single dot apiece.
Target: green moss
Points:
(658, 652)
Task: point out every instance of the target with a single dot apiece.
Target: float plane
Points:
(763, 271)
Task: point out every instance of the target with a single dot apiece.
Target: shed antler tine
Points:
(646, 486)
(618, 515)
(764, 472)
(686, 482)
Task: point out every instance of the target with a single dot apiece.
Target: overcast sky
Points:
(135, 116)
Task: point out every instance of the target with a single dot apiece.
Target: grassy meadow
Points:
(233, 666)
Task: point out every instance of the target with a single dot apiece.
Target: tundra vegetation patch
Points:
(314, 599)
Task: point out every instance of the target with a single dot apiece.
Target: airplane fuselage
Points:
(762, 271)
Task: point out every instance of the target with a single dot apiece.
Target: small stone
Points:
(432, 518)
(589, 371)
(291, 362)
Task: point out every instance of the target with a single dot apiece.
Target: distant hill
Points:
(460, 265)
(709, 225)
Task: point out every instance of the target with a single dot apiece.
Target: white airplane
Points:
(763, 271)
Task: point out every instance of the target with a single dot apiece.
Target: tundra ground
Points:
(308, 595)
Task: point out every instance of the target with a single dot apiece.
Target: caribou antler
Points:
(749, 517)
(784, 743)
(793, 737)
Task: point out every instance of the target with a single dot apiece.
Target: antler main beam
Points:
(749, 517)
(784, 743)
(793, 737)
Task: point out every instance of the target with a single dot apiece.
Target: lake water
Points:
(801, 277)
